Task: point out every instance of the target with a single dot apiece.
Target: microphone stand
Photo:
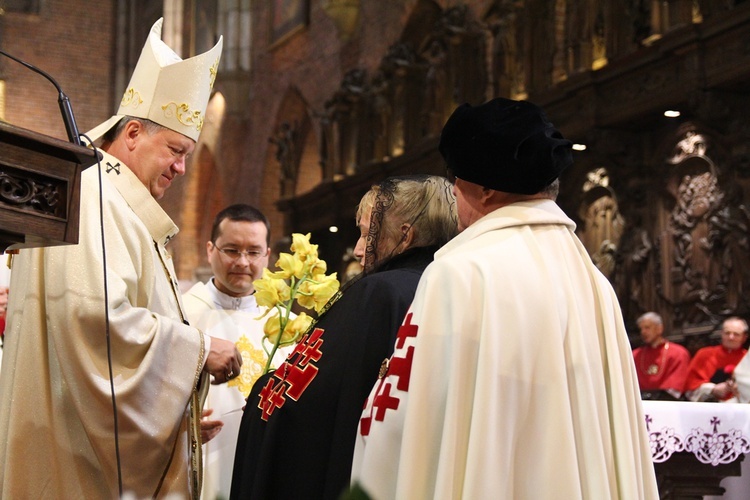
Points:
(67, 111)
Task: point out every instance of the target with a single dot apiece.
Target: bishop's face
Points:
(159, 157)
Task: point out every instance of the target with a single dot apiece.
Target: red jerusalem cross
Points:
(401, 368)
(298, 380)
(309, 348)
(407, 330)
(271, 398)
(398, 367)
(384, 402)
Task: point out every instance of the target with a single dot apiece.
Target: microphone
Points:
(67, 112)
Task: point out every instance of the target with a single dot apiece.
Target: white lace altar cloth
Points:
(716, 433)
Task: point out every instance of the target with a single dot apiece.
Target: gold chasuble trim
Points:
(197, 398)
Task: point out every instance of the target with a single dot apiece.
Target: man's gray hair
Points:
(736, 318)
(649, 316)
(552, 190)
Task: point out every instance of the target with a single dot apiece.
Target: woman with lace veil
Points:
(298, 429)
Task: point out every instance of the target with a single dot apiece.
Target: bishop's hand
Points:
(224, 360)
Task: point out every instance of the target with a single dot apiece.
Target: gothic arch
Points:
(292, 160)
(421, 22)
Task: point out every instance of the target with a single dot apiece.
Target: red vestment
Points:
(663, 367)
(707, 360)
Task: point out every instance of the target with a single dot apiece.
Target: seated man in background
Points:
(709, 376)
(661, 365)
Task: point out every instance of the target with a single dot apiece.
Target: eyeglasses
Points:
(234, 254)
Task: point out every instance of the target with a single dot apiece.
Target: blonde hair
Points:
(425, 203)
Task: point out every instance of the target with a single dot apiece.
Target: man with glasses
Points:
(710, 373)
(225, 307)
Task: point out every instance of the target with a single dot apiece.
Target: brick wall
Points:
(73, 45)
(312, 61)
(72, 42)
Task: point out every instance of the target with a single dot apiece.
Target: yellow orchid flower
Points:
(318, 267)
(299, 325)
(302, 248)
(315, 293)
(290, 266)
(271, 331)
(302, 278)
(270, 291)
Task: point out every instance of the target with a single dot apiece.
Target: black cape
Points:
(304, 446)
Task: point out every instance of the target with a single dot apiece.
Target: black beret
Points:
(504, 145)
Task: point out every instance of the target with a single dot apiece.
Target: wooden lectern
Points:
(40, 188)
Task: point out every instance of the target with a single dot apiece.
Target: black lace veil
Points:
(388, 198)
(436, 216)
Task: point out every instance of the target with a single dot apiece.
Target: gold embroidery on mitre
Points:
(184, 115)
(131, 96)
(214, 70)
(253, 362)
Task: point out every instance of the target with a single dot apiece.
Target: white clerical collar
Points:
(224, 301)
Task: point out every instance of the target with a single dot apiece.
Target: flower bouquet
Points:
(302, 277)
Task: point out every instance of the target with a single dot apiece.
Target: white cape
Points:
(512, 375)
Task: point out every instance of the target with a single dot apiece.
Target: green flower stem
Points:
(284, 319)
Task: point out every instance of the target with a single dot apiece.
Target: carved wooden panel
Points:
(602, 226)
(670, 227)
(28, 192)
(39, 188)
(408, 98)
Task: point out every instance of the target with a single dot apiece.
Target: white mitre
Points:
(167, 90)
